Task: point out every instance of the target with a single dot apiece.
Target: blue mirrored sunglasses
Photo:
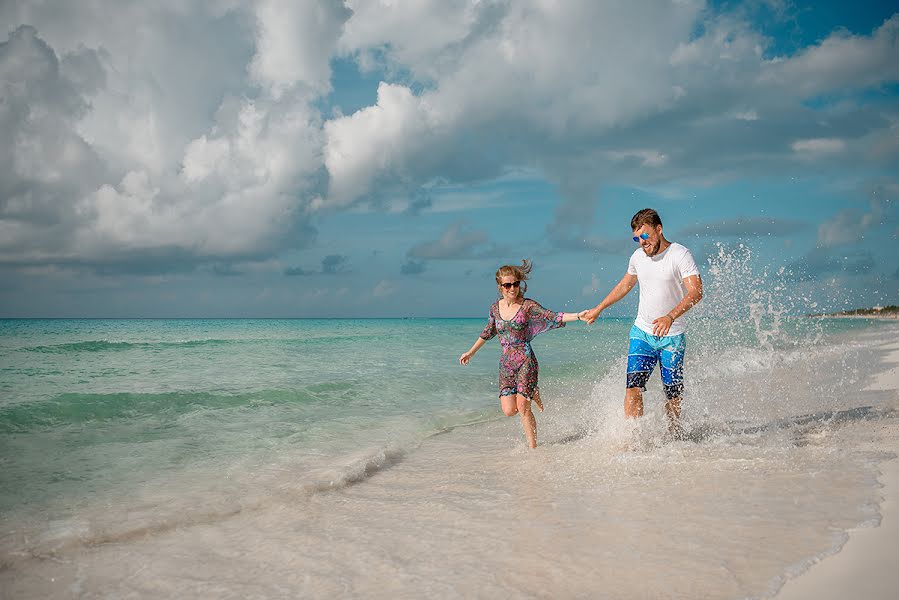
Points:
(642, 236)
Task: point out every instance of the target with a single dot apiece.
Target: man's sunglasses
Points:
(509, 286)
(642, 236)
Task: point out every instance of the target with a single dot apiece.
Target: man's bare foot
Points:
(676, 431)
(538, 402)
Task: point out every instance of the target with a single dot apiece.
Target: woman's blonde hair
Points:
(518, 272)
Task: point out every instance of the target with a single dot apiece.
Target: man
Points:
(670, 285)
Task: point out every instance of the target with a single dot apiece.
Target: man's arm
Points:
(693, 283)
(618, 292)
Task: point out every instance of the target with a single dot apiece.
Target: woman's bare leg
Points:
(528, 422)
(509, 404)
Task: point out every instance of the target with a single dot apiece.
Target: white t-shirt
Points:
(661, 280)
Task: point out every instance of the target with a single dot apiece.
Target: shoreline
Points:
(886, 317)
(867, 563)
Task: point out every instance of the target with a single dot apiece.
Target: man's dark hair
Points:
(647, 216)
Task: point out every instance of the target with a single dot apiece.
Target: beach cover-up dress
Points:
(518, 365)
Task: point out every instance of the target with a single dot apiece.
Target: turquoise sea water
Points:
(93, 405)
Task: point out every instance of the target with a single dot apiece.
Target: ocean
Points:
(356, 458)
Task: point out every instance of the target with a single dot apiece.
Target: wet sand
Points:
(867, 566)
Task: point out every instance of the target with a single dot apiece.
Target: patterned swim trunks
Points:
(645, 350)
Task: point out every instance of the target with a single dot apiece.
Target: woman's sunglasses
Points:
(642, 236)
(509, 286)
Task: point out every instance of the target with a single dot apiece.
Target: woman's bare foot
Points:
(537, 401)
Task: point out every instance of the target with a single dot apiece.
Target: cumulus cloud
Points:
(413, 34)
(375, 141)
(294, 44)
(196, 136)
(839, 62)
(44, 160)
(852, 224)
(521, 81)
(458, 241)
(494, 74)
(200, 134)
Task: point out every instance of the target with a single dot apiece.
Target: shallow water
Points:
(322, 458)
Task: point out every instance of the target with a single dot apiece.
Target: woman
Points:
(517, 320)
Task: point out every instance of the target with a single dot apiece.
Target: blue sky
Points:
(347, 159)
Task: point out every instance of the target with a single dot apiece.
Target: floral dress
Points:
(518, 365)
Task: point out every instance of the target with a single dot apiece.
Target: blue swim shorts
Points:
(645, 350)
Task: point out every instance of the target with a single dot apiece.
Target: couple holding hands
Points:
(670, 285)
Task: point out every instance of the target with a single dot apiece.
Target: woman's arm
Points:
(463, 360)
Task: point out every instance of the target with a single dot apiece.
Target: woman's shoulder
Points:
(531, 305)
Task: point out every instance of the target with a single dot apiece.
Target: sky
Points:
(382, 158)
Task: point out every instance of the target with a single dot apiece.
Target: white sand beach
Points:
(867, 566)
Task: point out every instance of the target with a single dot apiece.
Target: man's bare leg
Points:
(672, 407)
(633, 402)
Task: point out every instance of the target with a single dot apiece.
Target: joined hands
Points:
(589, 315)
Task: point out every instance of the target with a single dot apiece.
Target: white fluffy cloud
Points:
(197, 126)
(379, 139)
(841, 61)
(610, 89)
(189, 126)
(43, 158)
(294, 44)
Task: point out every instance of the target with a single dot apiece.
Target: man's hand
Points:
(591, 315)
(661, 326)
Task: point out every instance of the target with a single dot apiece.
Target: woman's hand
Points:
(463, 360)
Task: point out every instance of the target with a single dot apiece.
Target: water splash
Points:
(751, 302)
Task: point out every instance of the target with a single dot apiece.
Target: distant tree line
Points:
(891, 310)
